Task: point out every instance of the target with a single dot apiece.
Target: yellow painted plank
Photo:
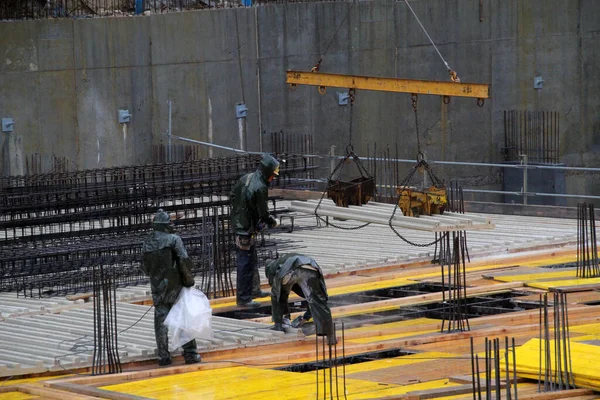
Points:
(395, 362)
(394, 325)
(257, 384)
(562, 283)
(537, 276)
(590, 329)
(383, 338)
(16, 396)
(584, 361)
(362, 287)
(238, 383)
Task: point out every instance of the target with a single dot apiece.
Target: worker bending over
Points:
(303, 276)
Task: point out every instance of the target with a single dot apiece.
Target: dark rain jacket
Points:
(249, 198)
(279, 268)
(164, 259)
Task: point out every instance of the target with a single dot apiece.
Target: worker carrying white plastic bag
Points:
(189, 318)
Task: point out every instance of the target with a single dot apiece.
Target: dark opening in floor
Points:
(474, 307)
(339, 361)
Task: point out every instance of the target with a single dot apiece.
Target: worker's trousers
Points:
(161, 310)
(310, 283)
(248, 280)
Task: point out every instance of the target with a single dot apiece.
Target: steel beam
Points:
(323, 80)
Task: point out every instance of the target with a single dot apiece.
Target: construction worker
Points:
(249, 214)
(166, 262)
(303, 276)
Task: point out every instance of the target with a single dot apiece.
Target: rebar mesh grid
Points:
(56, 228)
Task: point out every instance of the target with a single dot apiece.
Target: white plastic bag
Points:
(189, 318)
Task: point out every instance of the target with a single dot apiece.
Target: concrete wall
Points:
(63, 80)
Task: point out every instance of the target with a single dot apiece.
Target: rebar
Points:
(454, 287)
(587, 249)
(534, 133)
(492, 372)
(557, 375)
(106, 350)
(54, 228)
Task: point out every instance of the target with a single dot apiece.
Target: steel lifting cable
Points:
(349, 153)
(453, 74)
(318, 64)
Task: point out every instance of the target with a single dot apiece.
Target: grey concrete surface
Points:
(63, 80)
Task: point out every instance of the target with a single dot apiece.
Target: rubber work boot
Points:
(261, 294)
(193, 359)
(278, 327)
(163, 362)
(250, 304)
(298, 322)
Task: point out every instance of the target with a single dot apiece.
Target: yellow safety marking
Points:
(537, 276)
(566, 282)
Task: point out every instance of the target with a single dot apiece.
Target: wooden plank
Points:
(93, 391)
(102, 380)
(50, 393)
(577, 288)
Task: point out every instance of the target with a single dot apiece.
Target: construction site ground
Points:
(385, 296)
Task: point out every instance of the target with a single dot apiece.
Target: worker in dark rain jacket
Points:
(166, 262)
(303, 276)
(250, 213)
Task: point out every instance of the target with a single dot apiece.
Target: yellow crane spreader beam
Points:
(323, 80)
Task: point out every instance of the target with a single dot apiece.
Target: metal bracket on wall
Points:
(538, 82)
(240, 110)
(343, 98)
(124, 116)
(7, 125)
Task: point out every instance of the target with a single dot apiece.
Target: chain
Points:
(414, 99)
(349, 153)
(351, 100)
